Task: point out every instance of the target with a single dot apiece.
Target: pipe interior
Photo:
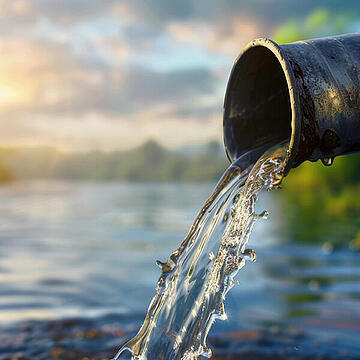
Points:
(257, 109)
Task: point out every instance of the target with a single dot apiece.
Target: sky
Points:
(106, 74)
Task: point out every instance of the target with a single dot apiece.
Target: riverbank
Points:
(100, 338)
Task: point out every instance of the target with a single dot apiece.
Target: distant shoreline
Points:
(149, 162)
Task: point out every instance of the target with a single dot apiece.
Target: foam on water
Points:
(196, 278)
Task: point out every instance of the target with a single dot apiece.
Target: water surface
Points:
(86, 250)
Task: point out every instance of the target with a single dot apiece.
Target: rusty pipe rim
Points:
(293, 94)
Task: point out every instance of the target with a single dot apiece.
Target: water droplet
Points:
(314, 285)
(159, 264)
(327, 248)
(327, 161)
(249, 254)
(207, 351)
(264, 215)
(166, 266)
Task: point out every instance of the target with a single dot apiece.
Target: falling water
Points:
(196, 278)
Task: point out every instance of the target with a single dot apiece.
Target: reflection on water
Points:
(69, 249)
(73, 249)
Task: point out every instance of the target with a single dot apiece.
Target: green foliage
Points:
(206, 165)
(320, 22)
(322, 204)
(148, 162)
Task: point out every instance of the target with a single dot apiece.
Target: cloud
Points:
(19, 10)
(227, 39)
(129, 90)
(38, 81)
(53, 99)
(73, 70)
(159, 13)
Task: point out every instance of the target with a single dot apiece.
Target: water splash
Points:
(196, 278)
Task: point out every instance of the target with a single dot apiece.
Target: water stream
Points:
(197, 276)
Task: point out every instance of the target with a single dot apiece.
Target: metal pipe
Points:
(306, 91)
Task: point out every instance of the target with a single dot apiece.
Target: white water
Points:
(196, 278)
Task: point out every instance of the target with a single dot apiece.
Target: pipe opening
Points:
(257, 109)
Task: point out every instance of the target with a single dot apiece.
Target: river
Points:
(87, 251)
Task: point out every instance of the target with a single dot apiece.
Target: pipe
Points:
(306, 91)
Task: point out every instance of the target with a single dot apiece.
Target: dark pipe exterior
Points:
(308, 91)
